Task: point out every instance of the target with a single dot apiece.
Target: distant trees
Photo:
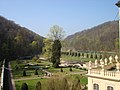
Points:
(81, 54)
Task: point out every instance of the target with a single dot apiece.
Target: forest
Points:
(18, 42)
(103, 37)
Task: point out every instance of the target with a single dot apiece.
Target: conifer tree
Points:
(56, 53)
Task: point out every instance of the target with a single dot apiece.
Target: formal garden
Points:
(33, 71)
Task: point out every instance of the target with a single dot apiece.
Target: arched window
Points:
(109, 88)
(96, 86)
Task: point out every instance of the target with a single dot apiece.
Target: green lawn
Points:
(31, 83)
(73, 58)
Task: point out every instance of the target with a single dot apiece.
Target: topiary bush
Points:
(71, 69)
(24, 86)
(61, 70)
(36, 72)
(24, 73)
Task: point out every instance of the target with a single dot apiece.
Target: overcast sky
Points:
(72, 15)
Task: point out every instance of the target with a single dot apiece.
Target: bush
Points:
(87, 56)
(91, 56)
(70, 69)
(38, 86)
(76, 85)
(61, 70)
(24, 72)
(58, 84)
(64, 84)
(24, 86)
(36, 72)
(84, 69)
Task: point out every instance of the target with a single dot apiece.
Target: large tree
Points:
(53, 44)
(56, 34)
(56, 53)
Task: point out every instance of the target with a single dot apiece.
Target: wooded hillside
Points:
(17, 41)
(103, 37)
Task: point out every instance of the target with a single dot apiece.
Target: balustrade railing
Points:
(104, 73)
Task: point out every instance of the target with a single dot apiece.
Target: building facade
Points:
(104, 74)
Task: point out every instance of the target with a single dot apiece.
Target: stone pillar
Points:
(102, 70)
(110, 59)
(106, 61)
(96, 63)
(116, 58)
(90, 67)
(101, 61)
(90, 64)
(102, 65)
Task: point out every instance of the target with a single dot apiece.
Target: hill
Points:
(17, 41)
(103, 37)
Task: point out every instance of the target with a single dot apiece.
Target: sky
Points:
(72, 15)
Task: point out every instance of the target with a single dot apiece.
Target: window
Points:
(96, 87)
(109, 88)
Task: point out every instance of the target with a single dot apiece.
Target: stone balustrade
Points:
(104, 73)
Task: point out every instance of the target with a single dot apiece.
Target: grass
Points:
(31, 83)
(73, 58)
